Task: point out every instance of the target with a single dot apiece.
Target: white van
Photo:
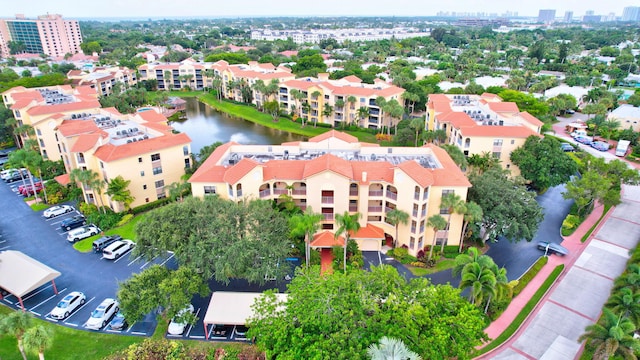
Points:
(117, 249)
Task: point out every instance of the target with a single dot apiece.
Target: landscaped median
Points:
(524, 313)
(127, 231)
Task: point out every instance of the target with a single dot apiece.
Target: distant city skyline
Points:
(255, 8)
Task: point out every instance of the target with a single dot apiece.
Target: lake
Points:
(205, 125)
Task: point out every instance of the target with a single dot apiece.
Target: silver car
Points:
(82, 232)
(102, 314)
(68, 305)
(552, 248)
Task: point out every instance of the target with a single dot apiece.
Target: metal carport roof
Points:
(231, 308)
(21, 274)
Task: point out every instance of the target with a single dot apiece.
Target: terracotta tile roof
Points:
(352, 79)
(369, 231)
(236, 172)
(490, 96)
(531, 119)
(502, 107)
(152, 116)
(76, 127)
(162, 127)
(457, 119)
(85, 142)
(419, 174)
(284, 169)
(502, 131)
(56, 108)
(214, 174)
(289, 53)
(326, 239)
(334, 134)
(210, 168)
(376, 171)
(450, 174)
(63, 179)
(110, 152)
(21, 104)
(27, 94)
(328, 162)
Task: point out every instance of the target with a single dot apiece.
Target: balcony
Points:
(328, 216)
(387, 209)
(327, 199)
(415, 213)
(375, 208)
(353, 192)
(376, 192)
(353, 208)
(392, 195)
(425, 196)
(413, 229)
(416, 196)
(265, 193)
(279, 191)
(424, 212)
(301, 191)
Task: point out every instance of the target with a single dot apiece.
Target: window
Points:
(157, 170)
(146, 199)
(139, 159)
(155, 157)
(44, 154)
(159, 184)
(101, 165)
(144, 187)
(497, 142)
(162, 196)
(210, 190)
(39, 132)
(41, 143)
(496, 154)
(185, 150)
(513, 141)
(141, 173)
(444, 211)
(412, 243)
(187, 163)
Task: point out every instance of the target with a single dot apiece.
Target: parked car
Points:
(73, 222)
(4, 174)
(552, 248)
(27, 189)
(117, 249)
(569, 111)
(102, 314)
(16, 175)
(241, 331)
(175, 326)
(566, 147)
(583, 140)
(68, 305)
(119, 322)
(600, 145)
(101, 243)
(82, 232)
(57, 210)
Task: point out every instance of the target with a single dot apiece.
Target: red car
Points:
(27, 190)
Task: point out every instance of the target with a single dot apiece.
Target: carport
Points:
(368, 238)
(231, 308)
(21, 274)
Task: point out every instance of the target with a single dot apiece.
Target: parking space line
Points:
(191, 326)
(49, 298)
(3, 241)
(121, 256)
(5, 247)
(50, 319)
(7, 301)
(147, 263)
(139, 333)
(71, 324)
(113, 331)
(169, 258)
(196, 337)
(130, 327)
(35, 313)
(79, 308)
(134, 260)
(210, 331)
(171, 335)
(36, 293)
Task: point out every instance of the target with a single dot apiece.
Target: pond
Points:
(205, 125)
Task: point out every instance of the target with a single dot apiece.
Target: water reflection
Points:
(205, 125)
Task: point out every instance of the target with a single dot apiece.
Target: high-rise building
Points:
(546, 15)
(589, 13)
(631, 13)
(568, 16)
(48, 34)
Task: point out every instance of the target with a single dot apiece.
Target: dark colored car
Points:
(567, 147)
(118, 322)
(103, 242)
(73, 222)
(600, 145)
(15, 176)
(552, 248)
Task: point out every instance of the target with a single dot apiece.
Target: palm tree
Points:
(16, 324)
(28, 159)
(98, 186)
(417, 124)
(307, 224)
(391, 349)
(168, 83)
(502, 288)
(88, 179)
(453, 204)
(437, 223)
(395, 217)
(626, 301)
(327, 111)
(612, 335)
(179, 189)
(395, 111)
(472, 213)
(481, 280)
(363, 113)
(307, 109)
(347, 223)
(118, 190)
(38, 339)
(351, 100)
(473, 255)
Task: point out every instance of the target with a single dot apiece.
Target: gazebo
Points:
(21, 274)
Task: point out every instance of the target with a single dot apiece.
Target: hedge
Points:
(529, 275)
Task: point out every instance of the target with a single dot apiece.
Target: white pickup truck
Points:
(623, 146)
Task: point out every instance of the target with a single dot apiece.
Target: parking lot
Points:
(30, 232)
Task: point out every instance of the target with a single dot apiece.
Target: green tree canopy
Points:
(543, 162)
(338, 316)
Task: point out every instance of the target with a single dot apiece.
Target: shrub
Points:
(56, 193)
(149, 206)
(400, 252)
(419, 264)
(529, 275)
(125, 219)
(106, 220)
(87, 209)
(570, 223)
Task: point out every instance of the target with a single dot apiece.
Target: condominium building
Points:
(338, 101)
(48, 34)
(140, 147)
(45, 108)
(478, 124)
(546, 15)
(631, 13)
(104, 79)
(333, 173)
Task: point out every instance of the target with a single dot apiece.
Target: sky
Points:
(232, 8)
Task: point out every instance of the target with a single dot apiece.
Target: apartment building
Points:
(482, 123)
(140, 147)
(104, 79)
(48, 34)
(343, 97)
(45, 108)
(333, 173)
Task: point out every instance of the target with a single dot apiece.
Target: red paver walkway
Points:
(574, 244)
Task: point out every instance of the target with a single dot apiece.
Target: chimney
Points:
(364, 176)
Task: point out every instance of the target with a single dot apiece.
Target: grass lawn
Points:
(38, 206)
(127, 231)
(443, 264)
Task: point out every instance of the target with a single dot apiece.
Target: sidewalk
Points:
(575, 246)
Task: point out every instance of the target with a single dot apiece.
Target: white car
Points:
(117, 249)
(67, 305)
(57, 210)
(102, 314)
(175, 327)
(82, 232)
